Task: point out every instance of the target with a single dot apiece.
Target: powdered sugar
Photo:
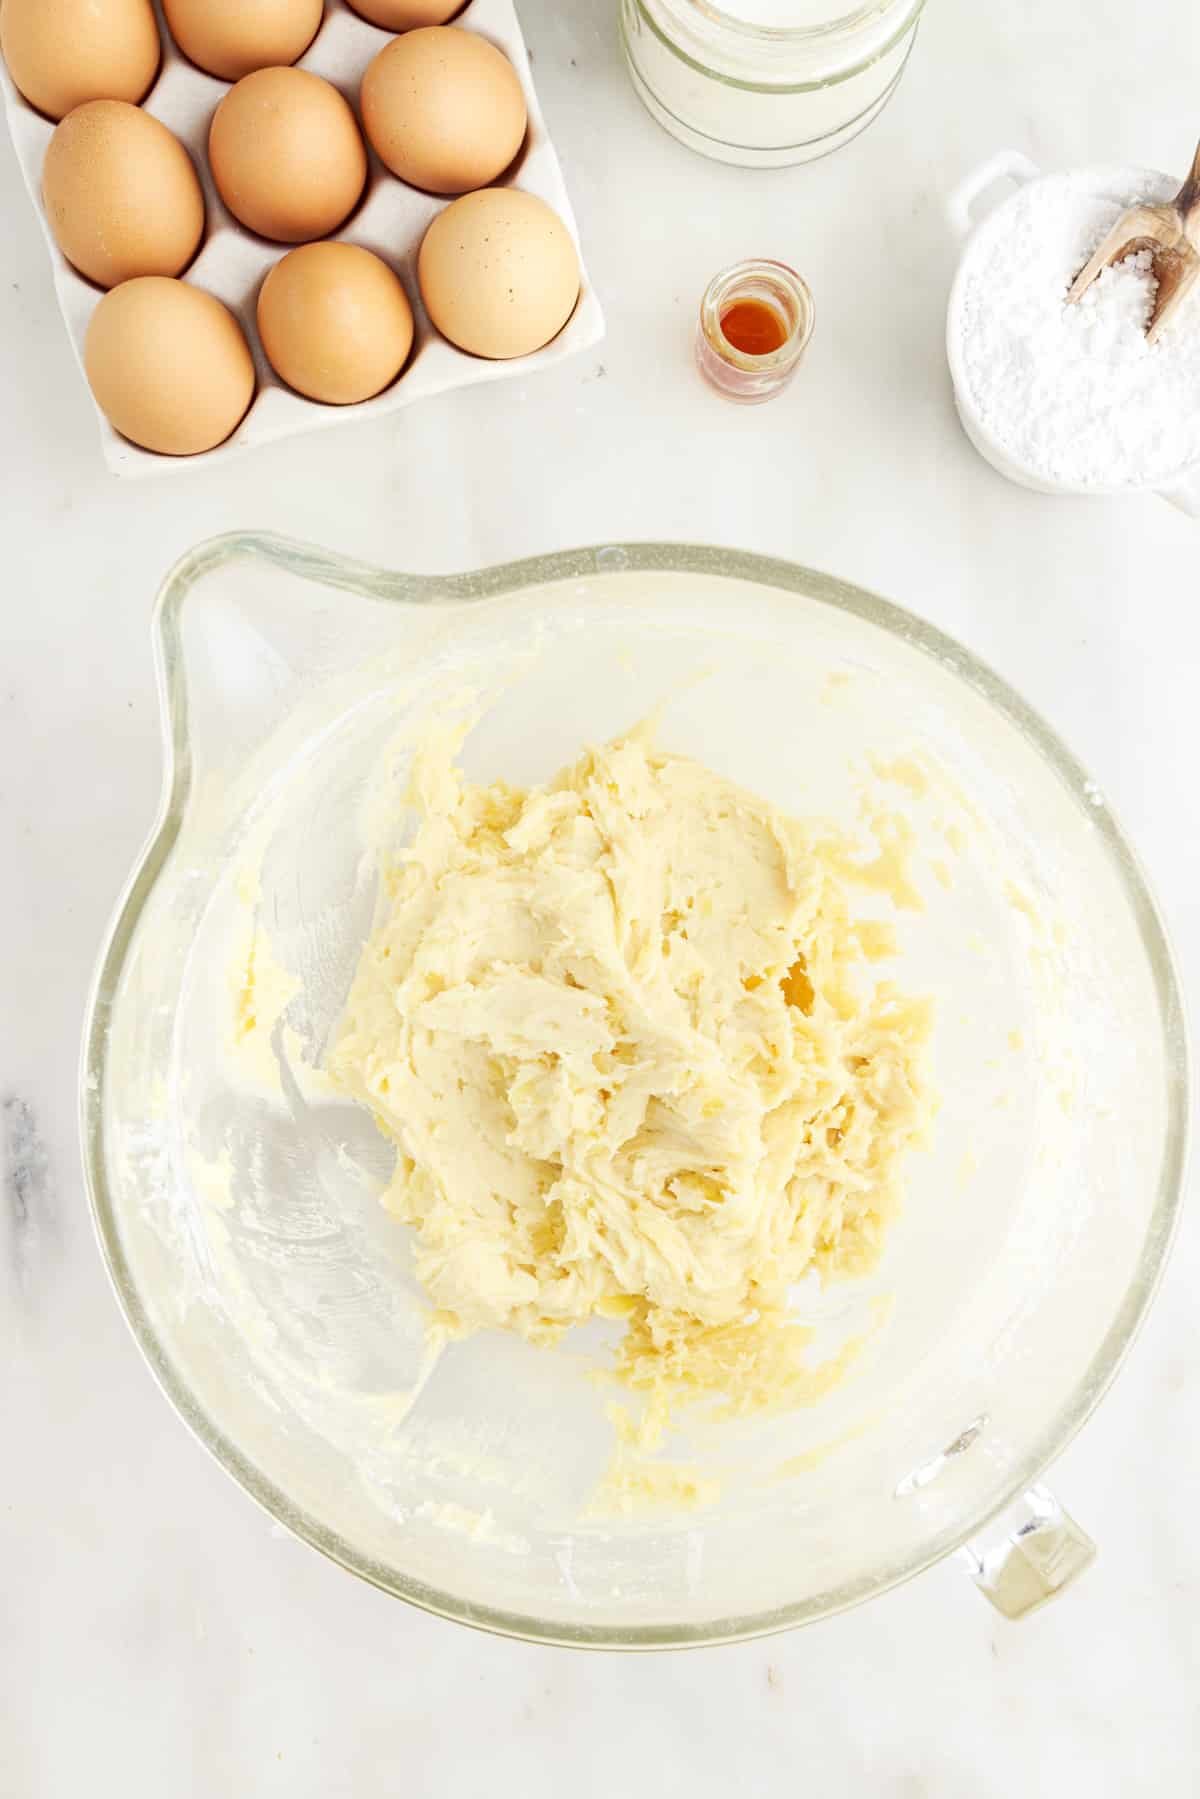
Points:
(1075, 393)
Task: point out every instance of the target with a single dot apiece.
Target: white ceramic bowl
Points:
(976, 234)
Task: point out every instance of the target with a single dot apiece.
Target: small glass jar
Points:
(767, 82)
(730, 358)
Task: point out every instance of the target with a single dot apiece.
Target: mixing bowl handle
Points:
(1029, 1554)
(1008, 165)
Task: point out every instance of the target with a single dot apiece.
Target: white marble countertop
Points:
(159, 1636)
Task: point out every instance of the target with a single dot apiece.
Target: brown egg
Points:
(407, 15)
(121, 194)
(169, 365)
(499, 274)
(63, 52)
(286, 155)
(232, 38)
(444, 109)
(335, 323)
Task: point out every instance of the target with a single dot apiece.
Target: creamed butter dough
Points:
(625, 1036)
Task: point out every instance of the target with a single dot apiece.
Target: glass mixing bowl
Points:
(236, 1200)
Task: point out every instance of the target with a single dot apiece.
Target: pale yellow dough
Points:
(623, 1032)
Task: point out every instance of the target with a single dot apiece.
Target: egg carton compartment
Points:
(391, 219)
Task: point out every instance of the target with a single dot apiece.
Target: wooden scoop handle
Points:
(1187, 201)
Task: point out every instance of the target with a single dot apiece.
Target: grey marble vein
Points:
(30, 1204)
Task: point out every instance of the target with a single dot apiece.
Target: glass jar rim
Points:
(770, 274)
(776, 59)
(865, 13)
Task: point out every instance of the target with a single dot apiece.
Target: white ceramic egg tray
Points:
(390, 219)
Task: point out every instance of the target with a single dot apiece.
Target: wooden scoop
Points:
(1172, 233)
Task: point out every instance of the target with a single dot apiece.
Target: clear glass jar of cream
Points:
(767, 82)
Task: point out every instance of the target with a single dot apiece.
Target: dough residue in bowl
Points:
(624, 1032)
